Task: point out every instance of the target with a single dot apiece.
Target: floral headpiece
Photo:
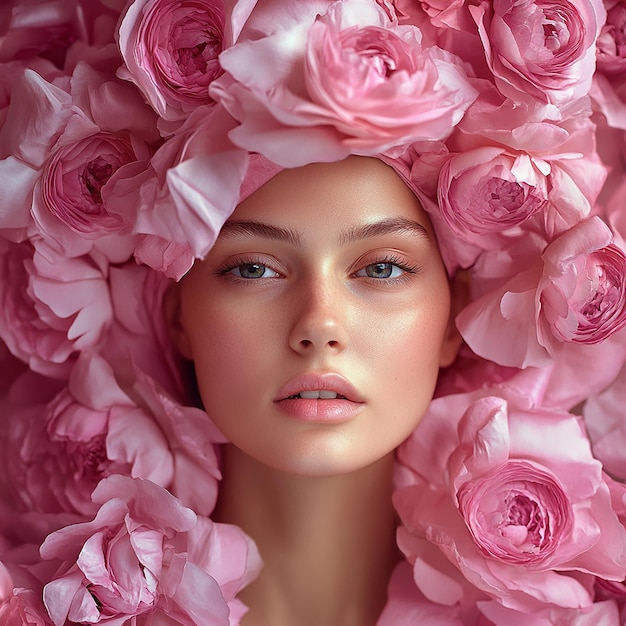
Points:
(129, 132)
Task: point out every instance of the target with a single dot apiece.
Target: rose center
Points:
(605, 296)
(523, 523)
(93, 177)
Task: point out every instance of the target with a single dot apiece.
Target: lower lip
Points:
(327, 411)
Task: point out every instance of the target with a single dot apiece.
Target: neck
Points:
(327, 542)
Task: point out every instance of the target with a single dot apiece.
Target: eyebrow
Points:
(259, 229)
(387, 226)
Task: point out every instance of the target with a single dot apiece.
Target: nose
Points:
(320, 313)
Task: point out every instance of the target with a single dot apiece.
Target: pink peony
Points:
(368, 86)
(52, 308)
(170, 49)
(133, 560)
(574, 294)
(512, 515)
(551, 59)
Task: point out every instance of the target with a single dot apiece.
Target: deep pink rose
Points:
(611, 43)
(170, 49)
(47, 28)
(542, 50)
(20, 605)
(133, 559)
(513, 514)
(368, 85)
(574, 293)
(52, 308)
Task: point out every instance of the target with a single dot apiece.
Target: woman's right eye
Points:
(252, 271)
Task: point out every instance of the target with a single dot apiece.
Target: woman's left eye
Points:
(383, 269)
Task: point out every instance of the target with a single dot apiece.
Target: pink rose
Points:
(139, 333)
(513, 515)
(575, 293)
(191, 437)
(611, 43)
(368, 86)
(56, 454)
(486, 194)
(605, 613)
(132, 560)
(178, 204)
(170, 50)
(407, 606)
(72, 182)
(47, 28)
(561, 153)
(604, 417)
(52, 308)
(62, 150)
(552, 58)
(20, 605)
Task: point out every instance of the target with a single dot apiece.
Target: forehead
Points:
(343, 193)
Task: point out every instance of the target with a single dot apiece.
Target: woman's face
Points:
(319, 320)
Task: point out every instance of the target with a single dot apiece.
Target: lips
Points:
(321, 398)
(326, 384)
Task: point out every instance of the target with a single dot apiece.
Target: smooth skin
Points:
(328, 269)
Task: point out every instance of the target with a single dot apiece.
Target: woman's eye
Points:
(381, 270)
(253, 270)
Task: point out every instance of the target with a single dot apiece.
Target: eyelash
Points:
(391, 259)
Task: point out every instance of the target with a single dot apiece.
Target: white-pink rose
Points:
(170, 50)
(575, 292)
(521, 503)
(368, 85)
(53, 306)
(133, 560)
(542, 50)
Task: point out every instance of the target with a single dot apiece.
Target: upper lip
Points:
(325, 381)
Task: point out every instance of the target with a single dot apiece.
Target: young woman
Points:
(245, 243)
(330, 317)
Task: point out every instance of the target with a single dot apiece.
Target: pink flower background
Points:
(126, 135)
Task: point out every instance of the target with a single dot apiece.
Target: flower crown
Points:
(129, 132)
